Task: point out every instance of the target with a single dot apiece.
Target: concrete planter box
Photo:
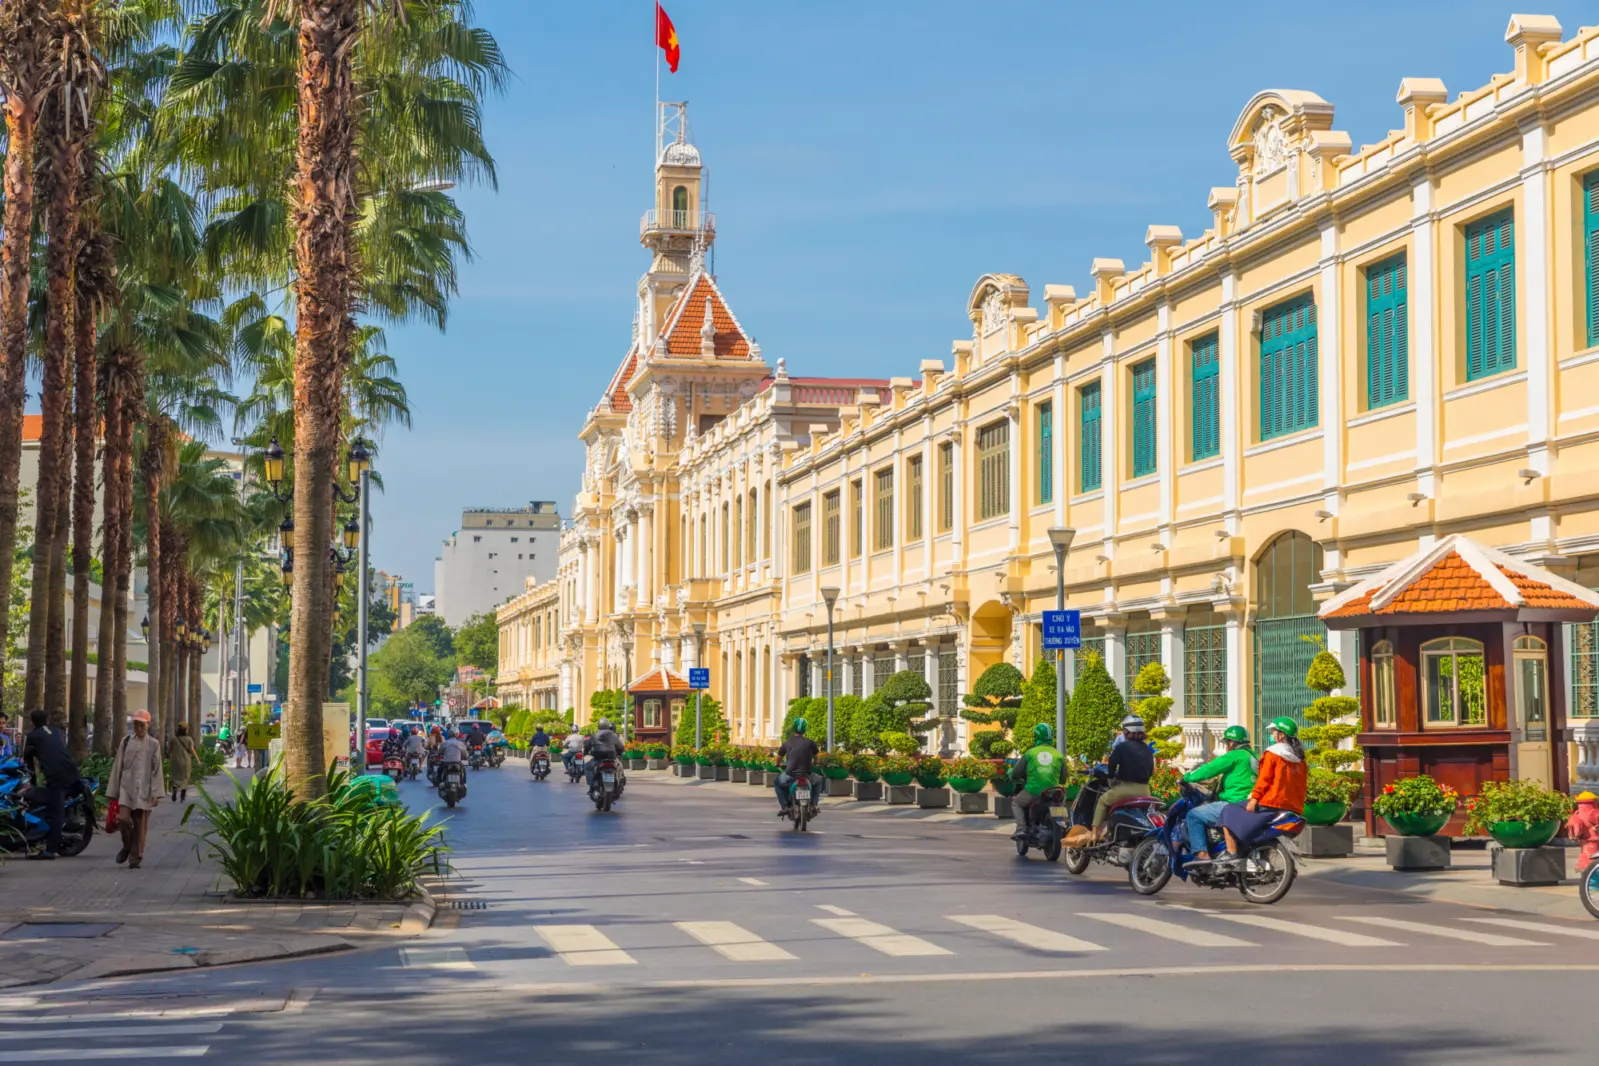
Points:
(739, 774)
(869, 790)
(636, 764)
(971, 802)
(1528, 866)
(839, 788)
(705, 773)
(654, 764)
(722, 772)
(769, 779)
(1003, 808)
(1327, 841)
(757, 778)
(1418, 853)
(905, 794)
(929, 798)
(679, 770)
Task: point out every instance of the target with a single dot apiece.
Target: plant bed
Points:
(866, 768)
(1002, 784)
(1416, 806)
(969, 776)
(930, 772)
(1530, 835)
(1518, 814)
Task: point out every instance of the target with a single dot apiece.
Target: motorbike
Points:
(1130, 821)
(574, 769)
(800, 812)
(476, 757)
(22, 822)
(539, 763)
(433, 766)
(496, 755)
(1588, 888)
(413, 765)
(1263, 874)
(608, 783)
(1043, 830)
(452, 783)
(393, 768)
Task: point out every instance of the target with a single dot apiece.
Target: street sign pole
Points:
(699, 679)
(1063, 629)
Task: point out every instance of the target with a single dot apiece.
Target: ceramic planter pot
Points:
(1417, 825)
(866, 777)
(1003, 785)
(898, 780)
(931, 780)
(968, 785)
(684, 760)
(1523, 834)
(836, 773)
(1325, 813)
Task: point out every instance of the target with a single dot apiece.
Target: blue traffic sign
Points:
(699, 677)
(1063, 629)
(252, 688)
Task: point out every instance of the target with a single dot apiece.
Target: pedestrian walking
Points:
(45, 755)
(136, 785)
(180, 759)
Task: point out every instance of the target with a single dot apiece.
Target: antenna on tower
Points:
(671, 126)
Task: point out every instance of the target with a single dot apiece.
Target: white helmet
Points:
(1132, 724)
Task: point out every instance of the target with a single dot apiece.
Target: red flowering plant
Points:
(1419, 795)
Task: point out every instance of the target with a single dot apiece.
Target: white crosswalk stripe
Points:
(75, 1032)
(880, 937)
(1314, 932)
(1540, 927)
(97, 1037)
(583, 945)
(734, 941)
(80, 1054)
(435, 959)
(1199, 938)
(1029, 935)
(831, 909)
(1491, 940)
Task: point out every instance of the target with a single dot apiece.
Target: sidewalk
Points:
(88, 917)
(1468, 881)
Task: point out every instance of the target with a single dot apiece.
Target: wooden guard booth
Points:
(658, 697)
(1461, 663)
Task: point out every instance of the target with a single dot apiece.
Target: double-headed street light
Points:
(830, 596)
(1060, 538)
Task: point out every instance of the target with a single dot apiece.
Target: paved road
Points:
(690, 925)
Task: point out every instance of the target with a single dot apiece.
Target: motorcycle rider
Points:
(452, 750)
(572, 748)
(1237, 767)
(1131, 764)
(1041, 768)
(393, 746)
(1279, 787)
(604, 744)
(414, 744)
(540, 741)
(798, 753)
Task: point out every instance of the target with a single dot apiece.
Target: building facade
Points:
(1371, 348)
(489, 559)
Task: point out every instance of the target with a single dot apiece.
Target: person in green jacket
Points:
(1041, 768)
(1236, 767)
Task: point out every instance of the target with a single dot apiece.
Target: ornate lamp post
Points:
(830, 596)
(627, 679)
(1060, 538)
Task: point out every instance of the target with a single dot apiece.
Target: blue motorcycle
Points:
(22, 825)
(1263, 873)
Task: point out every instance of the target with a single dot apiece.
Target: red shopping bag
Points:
(112, 811)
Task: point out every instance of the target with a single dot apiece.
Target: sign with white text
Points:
(1063, 629)
(699, 677)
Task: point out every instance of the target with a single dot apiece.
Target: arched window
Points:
(701, 572)
(738, 532)
(680, 219)
(1454, 688)
(750, 514)
(1382, 685)
(1284, 573)
(1285, 614)
(1532, 687)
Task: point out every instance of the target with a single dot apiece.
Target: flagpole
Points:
(655, 46)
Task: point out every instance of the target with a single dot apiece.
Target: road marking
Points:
(753, 881)
(1314, 932)
(1491, 940)
(734, 941)
(121, 1033)
(56, 1053)
(880, 937)
(830, 909)
(436, 959)
(1030, 935)
(694, 862)
(583, 945)
(1199, 938)
(1538, 927)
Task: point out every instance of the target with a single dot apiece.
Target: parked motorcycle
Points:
(1263, 873)
(540, 765)
(393, 768)
(1129, 822)
(452, 783)
(1044, 825)
(22, 822)
(801, 811)
(608, 783)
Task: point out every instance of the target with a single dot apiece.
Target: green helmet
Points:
(801, 725)
(1286, 726)
(1236, 733)
(1043, 733)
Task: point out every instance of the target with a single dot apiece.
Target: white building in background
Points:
(489, 559)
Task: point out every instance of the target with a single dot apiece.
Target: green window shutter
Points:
(1088, 447)
(1144, 415)
(1590, 232)
(1206, 390)
(1387, 333)
(1046, 453)
(1288, 376)
(1491, 296)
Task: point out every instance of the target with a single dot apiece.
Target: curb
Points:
(419, 916)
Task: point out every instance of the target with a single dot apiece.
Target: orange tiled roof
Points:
(32, 427)
(660, 679)
(617, 390)
(687, 317)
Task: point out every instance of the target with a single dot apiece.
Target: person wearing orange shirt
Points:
(1280, 786)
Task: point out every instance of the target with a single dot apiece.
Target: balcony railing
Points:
(677, 222)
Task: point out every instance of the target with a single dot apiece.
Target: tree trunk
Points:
(22, 47)
(55, 634)
(324, 216)
(110, 565)
(130, 403)
(150, 469)
(171, 553)
(92, 280)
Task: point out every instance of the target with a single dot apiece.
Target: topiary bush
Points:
(1038, 705)
(1328, 716)
(714, 722)
(991, 744)
(1096, 711)
(994, 701)
(1154, 706)
(900, 706)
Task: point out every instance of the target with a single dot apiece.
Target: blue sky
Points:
(869, 161)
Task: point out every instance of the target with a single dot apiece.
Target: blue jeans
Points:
(785, 782)
(1206, 814)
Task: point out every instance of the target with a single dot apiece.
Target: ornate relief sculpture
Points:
(993, 311)
(1271, 144)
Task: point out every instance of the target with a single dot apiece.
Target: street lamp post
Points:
(627, 676)
(830, 595)
(1060, 537)
(699, 694)
(360, 472)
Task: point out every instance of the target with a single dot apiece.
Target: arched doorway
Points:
(1285, 614)
(991, 637)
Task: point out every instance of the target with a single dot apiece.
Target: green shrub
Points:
(1417, 794)
(1153, 706)
(900, 706)
(714, 722)
(994, 700)
(1516, 801)
(899, 743)
(1096, 711)
(1325, 786)
(1038, 705)
(1327, 727)
(991, 744)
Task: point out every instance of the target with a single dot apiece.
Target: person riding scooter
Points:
(1279, 787)
(1132, 764)
(1237, 767)
(1041, 768)
(572, 748)
(798, 754)
(604, 744)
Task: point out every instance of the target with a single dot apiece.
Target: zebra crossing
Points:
(117, 1036)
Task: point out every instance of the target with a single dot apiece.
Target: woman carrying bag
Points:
(136, 787)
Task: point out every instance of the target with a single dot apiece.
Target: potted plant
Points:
(1164, 781)
(1518, 814)
(999, 778)
(1416, 806)
(968, 775)
(683, 754)
(866, 767)
(1327, 796)
(899, 770)
(657, 751)
(833, 764)
(930, 771)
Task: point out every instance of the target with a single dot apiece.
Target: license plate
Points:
(1057, 812)
(610, 779)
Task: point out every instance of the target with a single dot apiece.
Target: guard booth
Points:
(1461, 664)
(658, 699)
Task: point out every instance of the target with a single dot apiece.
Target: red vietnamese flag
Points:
(666, 37)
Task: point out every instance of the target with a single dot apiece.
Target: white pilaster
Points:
(1330, 362)
(1423, 306)
(1017, 442)
(1171, 656)
(1059, 414)
(1238, 684)
(1533, 229)
(1116, 654)
(1110, 440)
(1231, 357)
(1165, 397)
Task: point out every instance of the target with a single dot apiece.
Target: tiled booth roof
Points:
(1465, 580)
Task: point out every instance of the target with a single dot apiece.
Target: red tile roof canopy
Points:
(1458, 576)
(660, 679)
(687, 317)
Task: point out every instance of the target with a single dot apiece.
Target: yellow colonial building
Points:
(1371, 348)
